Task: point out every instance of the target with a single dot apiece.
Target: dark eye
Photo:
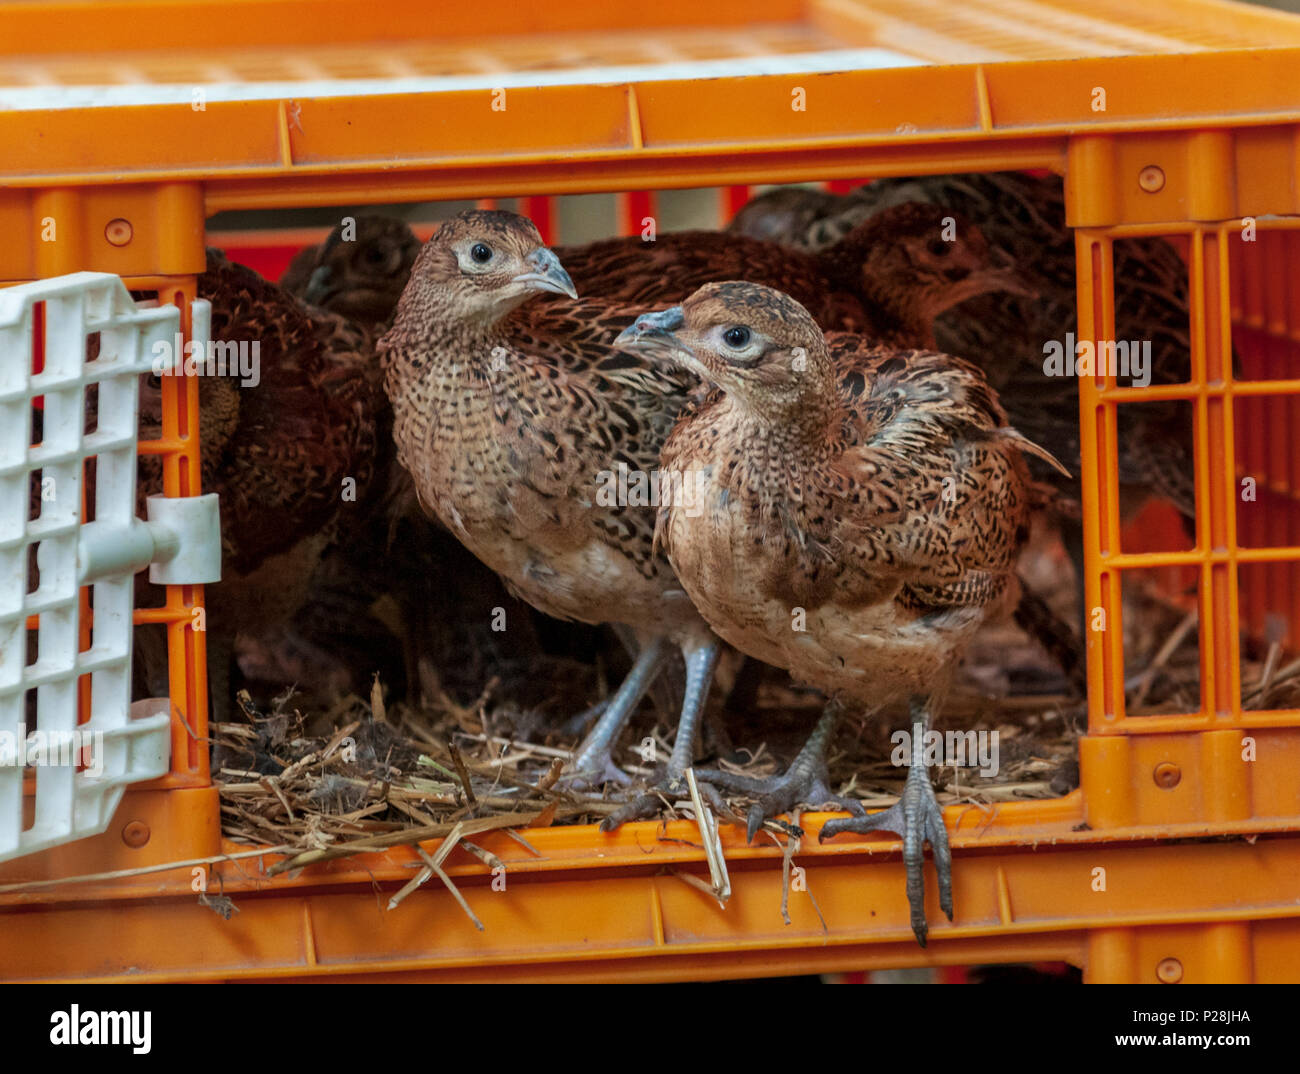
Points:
(154, 381)
(736, 336)
(481, 252)
(374, 255)
(938, 248)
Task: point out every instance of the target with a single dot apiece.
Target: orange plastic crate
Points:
(1188, 90)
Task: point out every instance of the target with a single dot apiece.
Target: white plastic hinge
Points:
(185, 539)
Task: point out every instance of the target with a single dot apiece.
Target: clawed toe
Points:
(780, 794)
(804, 781)
(642, 807)
(918, 818)
(595, 772)
(648, 806)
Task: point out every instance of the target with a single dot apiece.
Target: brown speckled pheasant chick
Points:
(511, 416)
(358, 271)
(276, 446)
(888, 278)
(856, 516)
(389, 547)
(390, 551)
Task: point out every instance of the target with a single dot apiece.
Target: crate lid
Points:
(300, 102)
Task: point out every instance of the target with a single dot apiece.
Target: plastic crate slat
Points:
(70, 803)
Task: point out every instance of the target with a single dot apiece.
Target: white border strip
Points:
(37, 98)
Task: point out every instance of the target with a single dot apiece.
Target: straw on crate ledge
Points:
(289, 793)
(414, 775)
(370, 782)
(378, 773)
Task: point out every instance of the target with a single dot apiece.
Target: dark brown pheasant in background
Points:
(279, 447)
(1023, 218)
(358, 271)
(786, 214)
(887, 278)
(515, 419)
(857, 515)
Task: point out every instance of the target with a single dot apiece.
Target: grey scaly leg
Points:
(701, 660)
(594, 763)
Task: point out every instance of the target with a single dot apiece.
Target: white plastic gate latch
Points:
(89, 407)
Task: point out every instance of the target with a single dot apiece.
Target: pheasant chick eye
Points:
(736, 336)
(939, 248)
(481, 252)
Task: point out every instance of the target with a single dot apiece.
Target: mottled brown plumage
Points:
(388, 552)
(1023, 218)
(359, 271)
(888, 278)
(872, 483)
(857, 515)
(514, 419)
(278, 451)
(304, 427)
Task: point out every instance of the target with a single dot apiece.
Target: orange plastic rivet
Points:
(1170, 970)
(135, 834)
(1151, 179)
(1168, 775)
(118, 232)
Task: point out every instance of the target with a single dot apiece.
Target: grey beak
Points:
(655, 331)
(319, 285)
(547, 274)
